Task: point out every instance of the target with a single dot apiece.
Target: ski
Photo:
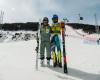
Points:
(64, 51)
(37, 50)
(37, 47)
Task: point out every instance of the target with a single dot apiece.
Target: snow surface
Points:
(18, 59)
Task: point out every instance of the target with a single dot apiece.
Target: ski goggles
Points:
(54, 18)
(45, 21)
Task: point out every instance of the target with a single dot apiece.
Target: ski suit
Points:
(45, 42)
(55, 43)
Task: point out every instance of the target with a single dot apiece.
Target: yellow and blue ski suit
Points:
(55, 42)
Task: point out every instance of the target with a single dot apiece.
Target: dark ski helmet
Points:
(55, 16)
(45, 19)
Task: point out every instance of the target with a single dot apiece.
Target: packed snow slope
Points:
(18, 60)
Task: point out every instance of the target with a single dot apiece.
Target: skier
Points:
(45, 41)
(55, 41)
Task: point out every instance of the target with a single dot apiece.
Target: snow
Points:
(18, 59)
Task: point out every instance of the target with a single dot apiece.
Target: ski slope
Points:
(18, 59)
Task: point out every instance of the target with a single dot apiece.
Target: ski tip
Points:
(65, 71)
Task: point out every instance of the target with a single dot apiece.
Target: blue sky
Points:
(33, 10)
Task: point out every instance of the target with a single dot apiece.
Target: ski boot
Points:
(48, 63)
(42, 63)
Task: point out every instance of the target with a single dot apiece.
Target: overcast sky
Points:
(33, 10)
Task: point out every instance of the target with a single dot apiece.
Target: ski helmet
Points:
(55, 16)
(45, 19)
